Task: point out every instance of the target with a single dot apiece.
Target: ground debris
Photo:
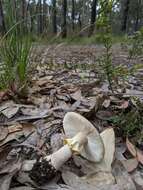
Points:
(33, 127)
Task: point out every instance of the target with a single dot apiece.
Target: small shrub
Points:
(136, 44)
(105, 37)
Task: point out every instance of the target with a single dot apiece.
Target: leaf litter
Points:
(32, 128)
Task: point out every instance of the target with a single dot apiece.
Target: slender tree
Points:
(40, 17)
(93, 17)
(138, 13)
(54, 17)
(2, 21)
(125, 15)
(23, 7)
(79, 21)
(73, 14)
(24, 16)
(32, 10)
(64, 20)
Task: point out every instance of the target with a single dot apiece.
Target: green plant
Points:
(14, 54)
(105, 37)
(130, 121)
(136, 44)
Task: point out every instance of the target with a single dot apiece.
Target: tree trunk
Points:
(79, 21)
(64, 21)
(40, 18)
(2, 22)
(23, 7)
(125, 16)
(54, 17)
(93, 17)
(138, 12)
(24, 15)
(44, 14)
(73, 14)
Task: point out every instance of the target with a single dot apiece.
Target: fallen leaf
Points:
(14, 128)
(9, 109)
(106, 103)
(77, 95)
(44, 114)
(3, 94)
(124, 105)
(3, 133)
(5, 181)
(11, 166)
(23, 188)
(131, 148)
(84, 183)
(140, 156)
(130, 164)
(122, 177)
(104, 115)
(134, 151)
(138, 179)
(120, 149)
(11, 137)
(99, 179)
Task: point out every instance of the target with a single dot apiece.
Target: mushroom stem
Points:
(47, 167)
(60, 157)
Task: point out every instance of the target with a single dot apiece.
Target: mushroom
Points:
(82, 139)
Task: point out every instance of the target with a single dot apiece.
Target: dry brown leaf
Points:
(124, 105)
(3, 94)
(104, 115)
(3, 133)
(130, 164)
(11, 137)
(9, 109)
(134, 151)
(77, 95)
(28, 128)
(122, 177)
(131, 148)
(140, 156)
(14, 128)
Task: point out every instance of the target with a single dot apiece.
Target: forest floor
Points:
(67, 78)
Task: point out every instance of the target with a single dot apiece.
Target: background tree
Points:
(93, 17)
(126, 6)
(54, 17)
(73, 14)
(47, 17)
(64, 20)
(2, 21)
(40, 17)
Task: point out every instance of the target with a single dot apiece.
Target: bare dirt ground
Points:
(87, 54)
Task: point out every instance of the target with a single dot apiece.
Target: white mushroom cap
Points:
(75, 125)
